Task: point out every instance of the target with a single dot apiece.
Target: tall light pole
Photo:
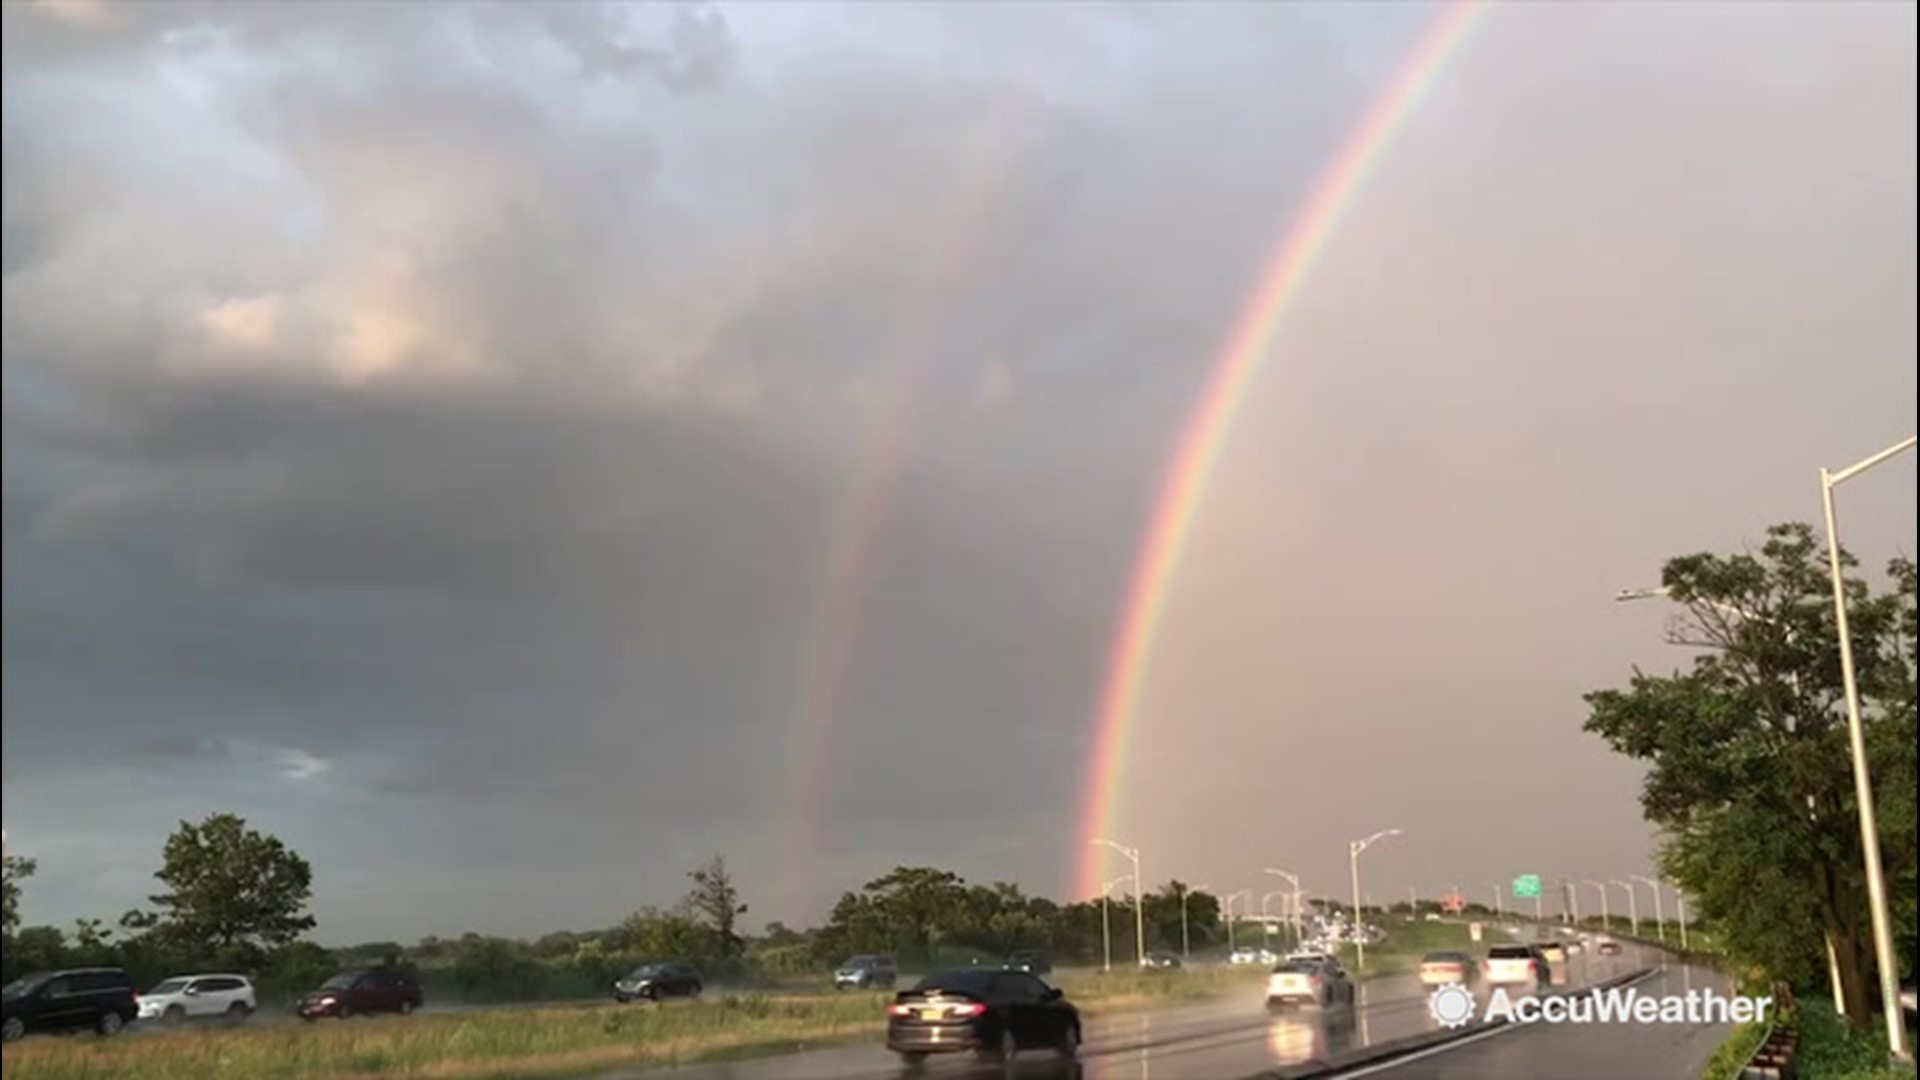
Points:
(1186, 952)
(1633, 905)
(1857, 745)
(1793, 679)
(1266, 920)
(1499, 899)
(1413, 900)
(1106, 929)
(1299, 909)
(1246, 894)
(1132, 855)
(1659, 905)
(1606, 911)
(1570, 900)
(1354, 850)
(1680, 899)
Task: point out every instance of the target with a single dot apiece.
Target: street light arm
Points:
(1362, 845)
(1835, 479)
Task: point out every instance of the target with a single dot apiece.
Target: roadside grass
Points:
(1407, 942)
(529, 1044)
(1830, 1050)
(1729, 1062)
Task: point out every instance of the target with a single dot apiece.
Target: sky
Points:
(512, 452)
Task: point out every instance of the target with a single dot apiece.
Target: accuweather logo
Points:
(1454, 1006)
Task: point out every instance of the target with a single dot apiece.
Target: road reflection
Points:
(1298, 1038)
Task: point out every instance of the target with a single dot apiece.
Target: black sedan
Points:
(989, 1013)
(653, 982)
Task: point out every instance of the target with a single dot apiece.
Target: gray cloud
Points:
(458, 409)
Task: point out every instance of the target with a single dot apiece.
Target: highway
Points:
(1220, 1041)
(1577, 1051)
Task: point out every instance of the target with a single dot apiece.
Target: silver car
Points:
(866, 972)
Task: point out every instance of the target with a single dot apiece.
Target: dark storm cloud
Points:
(428, 427)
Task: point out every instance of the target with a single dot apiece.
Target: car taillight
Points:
(970, 1009)
(899, 1010)
(1315, 981)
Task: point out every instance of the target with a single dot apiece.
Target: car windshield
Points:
(648, 971)
(959, 980)
(1510, 952)
(1297, 967)
(342, 981)
(859, 963)
(1446, 958)
(23, 986)
(171, 986)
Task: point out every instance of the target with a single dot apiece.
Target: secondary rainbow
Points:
(1184, 487)
(855, 548)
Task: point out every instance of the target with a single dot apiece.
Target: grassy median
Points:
(539, 1042)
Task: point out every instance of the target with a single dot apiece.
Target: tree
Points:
(1750, 780)
(715, 902)
(15, 870)
(654, 935)
(232, 887)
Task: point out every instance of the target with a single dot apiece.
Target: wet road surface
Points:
(1581, 1051)
(1221, 1041)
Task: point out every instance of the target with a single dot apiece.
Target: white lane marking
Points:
(1444, 1048)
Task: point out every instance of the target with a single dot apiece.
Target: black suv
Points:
(100, 999)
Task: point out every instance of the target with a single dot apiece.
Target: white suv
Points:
(199, 997)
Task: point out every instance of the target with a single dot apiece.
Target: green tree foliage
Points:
(495, 968)
(15, 870)
(922, 914)
(230, 887)
(1749, 777)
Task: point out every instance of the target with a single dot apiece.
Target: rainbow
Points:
(1184, 487)
(854, 548)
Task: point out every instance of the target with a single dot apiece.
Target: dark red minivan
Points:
(363, 993)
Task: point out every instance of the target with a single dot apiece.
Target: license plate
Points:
(930, 1014)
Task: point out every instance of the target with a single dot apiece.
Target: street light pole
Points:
(1633, 905)
(1499, 899)
(1354, 850)
(1132, 855)
(1186, 951)
(1606, 910)
(1266, 920)
(1659, 905)
(1857, 746)
(1570, 900)
(1232, 942)
(1106, 927)
(1299, 913)
(1680, 899)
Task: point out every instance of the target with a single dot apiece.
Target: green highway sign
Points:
(1527, 887)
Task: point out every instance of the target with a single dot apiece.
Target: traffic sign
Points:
(1527, 887)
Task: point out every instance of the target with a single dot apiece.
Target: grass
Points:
(1407, 942)
(1730, 1060)
(534, 1043)
(1830, 1050)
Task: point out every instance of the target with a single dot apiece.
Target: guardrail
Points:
(1774, 1059)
